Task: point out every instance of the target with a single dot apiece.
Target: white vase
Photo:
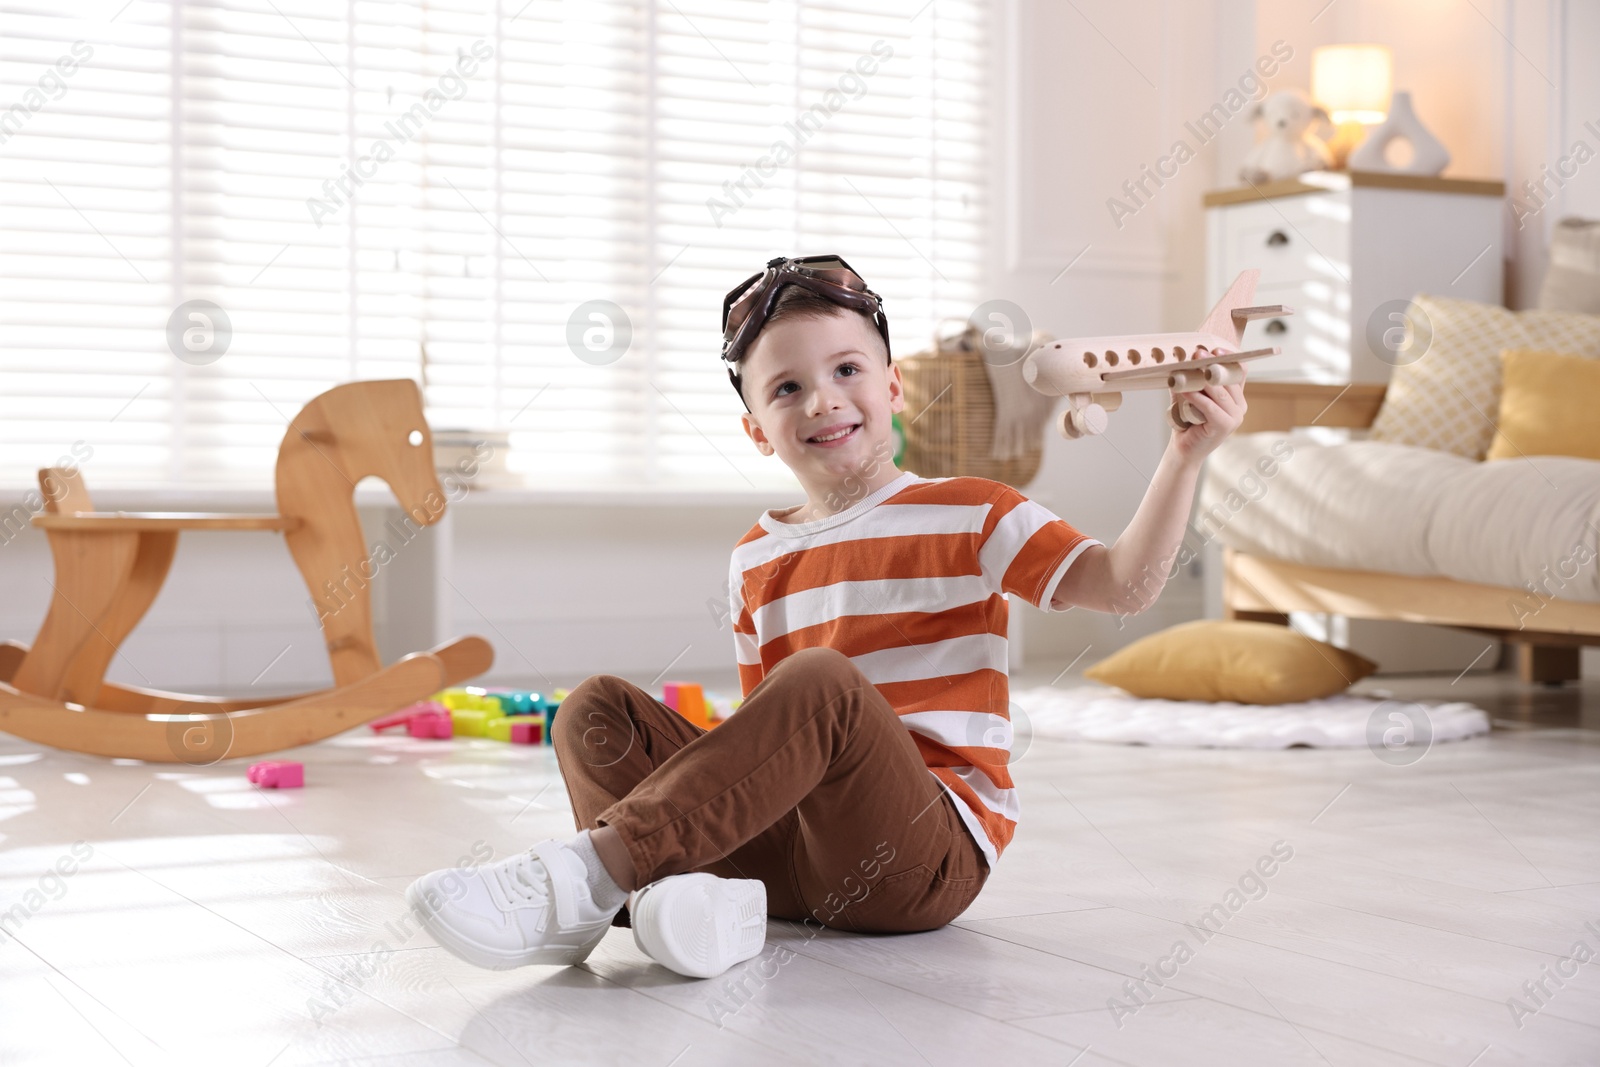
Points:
(1428, 155)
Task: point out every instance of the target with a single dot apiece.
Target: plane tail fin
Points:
(1240, 294)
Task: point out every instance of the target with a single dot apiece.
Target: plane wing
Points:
(1165, 370)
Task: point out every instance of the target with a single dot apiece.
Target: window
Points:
(458, 192)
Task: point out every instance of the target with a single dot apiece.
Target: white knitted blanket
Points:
(1101, 713)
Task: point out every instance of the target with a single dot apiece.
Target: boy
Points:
(863, 783)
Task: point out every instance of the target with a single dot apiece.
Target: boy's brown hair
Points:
(798, 302)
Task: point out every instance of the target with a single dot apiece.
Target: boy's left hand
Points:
(1223, 407)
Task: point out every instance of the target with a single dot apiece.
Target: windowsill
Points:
(376, 494)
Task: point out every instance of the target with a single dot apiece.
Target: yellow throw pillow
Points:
(1547, 405)
(1244, 662)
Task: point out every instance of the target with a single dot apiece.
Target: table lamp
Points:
(1353, 82)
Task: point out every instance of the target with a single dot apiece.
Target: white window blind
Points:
(358, 184)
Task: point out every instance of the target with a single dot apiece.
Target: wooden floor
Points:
(210, 923)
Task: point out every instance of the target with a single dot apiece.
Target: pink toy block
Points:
(278, 774)
(404, 716)
(431, 724)
(527, 733)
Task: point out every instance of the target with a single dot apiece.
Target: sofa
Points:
(1428, 508)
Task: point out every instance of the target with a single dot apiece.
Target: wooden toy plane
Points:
(1092, 372)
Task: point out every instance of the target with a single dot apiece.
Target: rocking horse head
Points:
(359, 430)
(351, 432)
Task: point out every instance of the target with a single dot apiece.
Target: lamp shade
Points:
(1352, 81)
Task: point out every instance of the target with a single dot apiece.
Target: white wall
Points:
(1090, 92)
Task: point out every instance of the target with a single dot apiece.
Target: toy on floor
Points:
(404, 716)
(517, 729)
(110, 566)
(517, 716)
(690, 700)
(278, 774)
(431, 725)
(1092, 371)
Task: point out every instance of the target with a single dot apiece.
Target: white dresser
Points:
(1346, 251)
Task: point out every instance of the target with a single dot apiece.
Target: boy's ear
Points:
(753, 430)
(897, 389)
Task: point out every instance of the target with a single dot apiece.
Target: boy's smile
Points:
(822, 396)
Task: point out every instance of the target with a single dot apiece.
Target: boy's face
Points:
(806, 377)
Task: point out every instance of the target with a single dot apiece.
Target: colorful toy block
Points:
(551, 704)
(473, 712)
(431, 724)
(721, 710)
(518, 701)
(689, 700)
(278, 774)
(517, 730)
(467, 698)
(404, 716)
(474, 722)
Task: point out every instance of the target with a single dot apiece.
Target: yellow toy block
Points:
(474, 722)
(468, 698)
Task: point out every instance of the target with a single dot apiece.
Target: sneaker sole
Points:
(710, 933)
(490, 958)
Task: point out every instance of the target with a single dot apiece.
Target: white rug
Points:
(1100, 713)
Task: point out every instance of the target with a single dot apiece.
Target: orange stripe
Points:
(1038, 559)
(857, 635)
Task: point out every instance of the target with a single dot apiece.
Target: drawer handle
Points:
(1277, 326)
(1277, 237)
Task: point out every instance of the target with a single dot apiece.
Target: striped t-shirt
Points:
(910, 583)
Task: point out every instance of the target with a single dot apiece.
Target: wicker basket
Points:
(949, 415)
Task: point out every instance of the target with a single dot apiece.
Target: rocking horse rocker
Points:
(109, 566)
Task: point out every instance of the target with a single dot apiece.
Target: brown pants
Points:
(813, 786)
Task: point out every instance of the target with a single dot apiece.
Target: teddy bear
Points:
(1289, 148)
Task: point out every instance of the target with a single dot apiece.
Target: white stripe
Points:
(949, 658)
(882, 596)
(1000, 801)
(887, 520)
(1055, 579)
(1009, 537)
(746, 649)
(961, 729)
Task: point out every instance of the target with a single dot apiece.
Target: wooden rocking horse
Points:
(109, 566)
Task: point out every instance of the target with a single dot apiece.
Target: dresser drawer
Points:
(1293, 239)
(1313, 338)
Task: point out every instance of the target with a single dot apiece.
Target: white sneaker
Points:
(699, 925)
(534, 907)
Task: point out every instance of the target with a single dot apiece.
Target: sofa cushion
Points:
(1572, 280)
(1548, 404)
(1447, 399)
(1398, 509)
(1244, 662)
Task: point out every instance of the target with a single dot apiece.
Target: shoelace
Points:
(526, 879)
